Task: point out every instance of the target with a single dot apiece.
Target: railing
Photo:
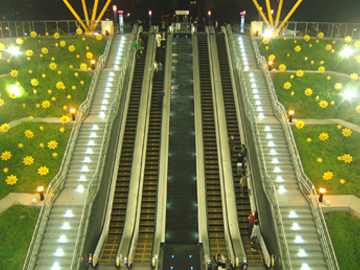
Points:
(306, 185)
(57, 183)
(268, 185)
(12, 29)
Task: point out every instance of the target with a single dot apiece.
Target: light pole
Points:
(209, 14)
(291, 114)
(114, 11)
(242, 21)
(72, 111)
(321, 196)
(40, 189)
(150, 13)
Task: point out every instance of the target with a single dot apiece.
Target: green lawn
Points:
(16, 225)
(344, 232)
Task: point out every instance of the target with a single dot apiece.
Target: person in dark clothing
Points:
(244, 150)
(142, 47)
(240, 164)
(161, 70)
(160, 98)
(220, 260)
(232, 144)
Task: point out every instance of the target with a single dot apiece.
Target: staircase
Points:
(302, 239)
(59, 240)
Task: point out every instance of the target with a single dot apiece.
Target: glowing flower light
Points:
(323, 104)
(6, 155)
(282, 67)
(287, 85)
(1, 102)
(52, 66)
(45, 104)
(307, 37)
(270, 58)
(338, 86)
(34, 82)
(320, 35)
(29, 134)
(89, 55)
(64, 119)
(4, 128)
(45, 50)
(62, 43)
(339, 126)
(266, 41)
(19, 41)
(43, 170)
(300, 73)
(324, 136)
(83, 66)
(2, 46)
(354, 76)
(52, 144)
(319, 160)
(328, 47)
(33, 34)
(60, 85)
(346, 132)
(342, 181)
(300, 124)
(79, 31)
(56, 35)
(308, 92)
(347, 158)
(357, 109)
(321, 69)
(14, 73)
(308, 139)
(11, 180)
(71, 48)
(28, 160)
(348, 39)
(328, 175)
(357, 44)
(297, 48)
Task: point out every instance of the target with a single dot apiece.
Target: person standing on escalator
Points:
(221, 261)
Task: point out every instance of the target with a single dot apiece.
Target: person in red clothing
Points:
(252, 217)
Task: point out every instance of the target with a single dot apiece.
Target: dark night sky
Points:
(225, 11)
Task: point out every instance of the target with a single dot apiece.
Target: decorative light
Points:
(295, 227)
(69, 213)
(346, 52)
(292, 214)
(298, 239)
(14, 90)
(349, 93)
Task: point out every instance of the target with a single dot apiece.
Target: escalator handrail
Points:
(160, 221)
(104, 233)
(136, 176)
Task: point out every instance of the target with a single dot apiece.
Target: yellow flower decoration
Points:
(354, 76)
(60, 85)
(328, 47)
(6, 155)
(342, 181)
(320, 35)
(55, 154)
(43, 170)
(11, 180)
(1, 102)
(346, 132)
(324, 136)
(52, 66)
(271, 57)
(328, 78)
(79, 31)
(62, 43)
(323, 104)
(307, 37)
(287, 85)
(300, 73)
(45, 104)
(339, 158)
(4, 128)
(89, 55)
(319, 160)
(357, 109)
(29, 134)
(33, 34)
(339, 126)
(291, 76)
(297, 48)
(71, 48)
(56, 35)
(321, 69)
(44, 50)
(338, 86)
(2, 46)
(282, 67)
(308, 139)
(357, 44)
(308, 92)
(14, 73)
(64, 119)
(99, 37)
(357, 57)
(34, 82)
(52, 144)
(348, 39)
(292, 93)
(19, 41)
(62, 129)
(300, 124)
(347, 158)
(328, 175)
(28, 160)
(83, 66)
(266, 40)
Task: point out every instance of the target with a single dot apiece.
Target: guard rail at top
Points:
(57, 183)
(306, 185)
(268, 185)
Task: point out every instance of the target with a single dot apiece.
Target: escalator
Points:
(213, 191)
(149, 194)
(242, 203)
(124, 170)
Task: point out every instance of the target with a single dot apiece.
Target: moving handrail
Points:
(306, 186)
(94, 258)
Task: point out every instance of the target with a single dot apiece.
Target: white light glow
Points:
(14, 90)
(271, 144)
(292, 214)
(14, 50)
(259, 109)
(103, 107)
(295, 227)
(275, 161)
(269, 136)
(92, 135)
(349, 93)
(62, 238)
(102, 114)
(298, 239)
(110, 79)
(256, 96)
(251, 74)
(84, 169)
(65, 226)
(82, 178)
(279, 179)
(252, 80)
(106, 95)
(305, 266)
(95, 127)
(273, 152)
(258, 102)
(253, 85)
(277, 169)
(91, 142)
(109, 84)
(105, 101)
(255, 91)
(268, 33)
(87, 160)
(89, 151)
(302, 253)
(59, 252)
(282, 189)
(80, 188)
(69, 213)
(261, 115)
(55, 266)
(112, 74)
(346, 52)
(267, 128)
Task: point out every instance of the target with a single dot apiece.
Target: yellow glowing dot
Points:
(319, 160)
(31, 117)
(55, 154)
(59, 72)
(53, 98)
(81, 82)
(295, 41)
(71, 66)
(73, 87)
(312, 62)
(41, 145)
(328, 78)
(43, 75)
(41, 55)
(41, 128)
(332, 102)
(52, 58)
(20, 145)
(30, 71)
(317, 41)
(334, 42)
(291, 76)
(308, 139)
(39, 41)
(322, 62)
(65, 107)
(83, 39)
(62, 129)
(339, 158)
(38, 105)
(8, 61)
(292, 93)
(306, 58)
(34, 91)
(49, 91)
(56, 44)
(78, 56)
(28, 58)
(332, 50)
(68, 96)
(310, 45)
(339, 126)
(87, 48)
(24, 105)
(267, 47)
(317, 97)
(5, 170)
(288, 55)
(76, 74)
